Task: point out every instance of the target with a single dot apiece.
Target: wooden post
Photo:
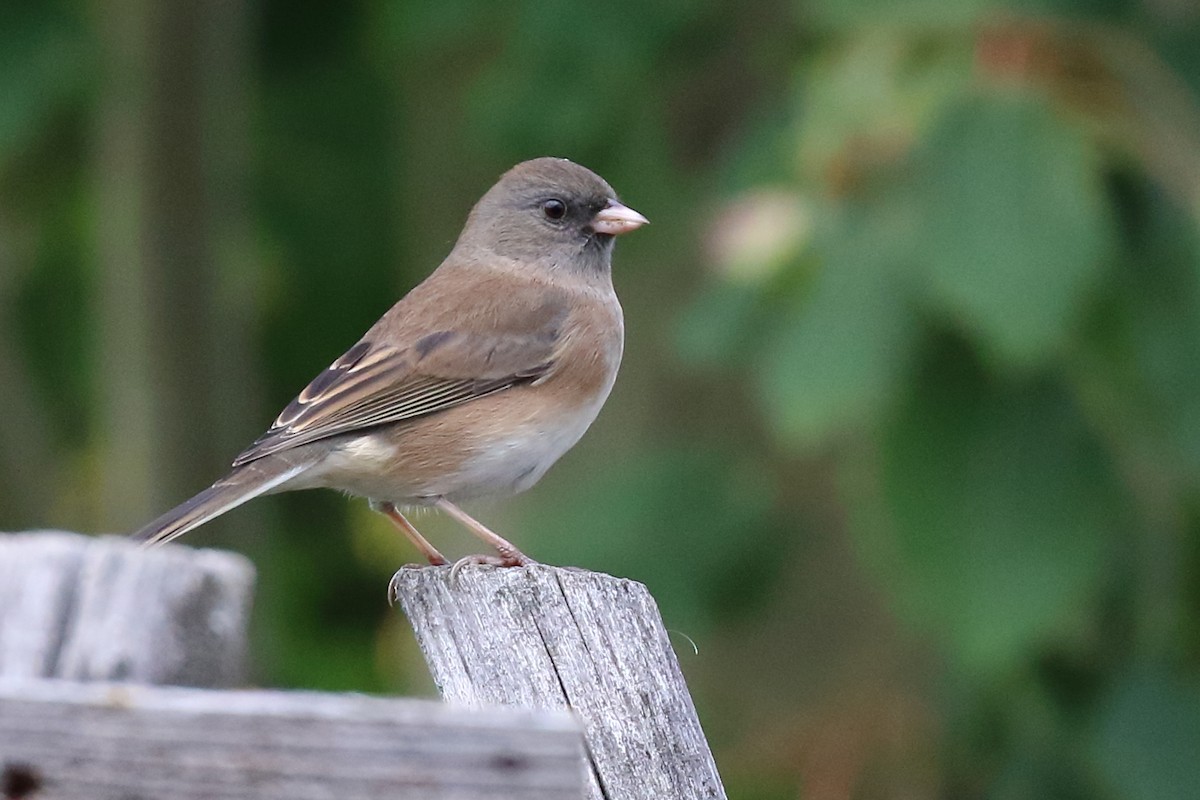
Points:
(105, 609)
(93, 741)
(547, 637)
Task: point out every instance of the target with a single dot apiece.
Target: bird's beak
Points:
(615, 219)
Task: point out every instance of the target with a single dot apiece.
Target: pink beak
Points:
(615, 219)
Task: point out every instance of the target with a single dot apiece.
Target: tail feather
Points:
(243, 484)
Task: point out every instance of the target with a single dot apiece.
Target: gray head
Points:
(552, 211)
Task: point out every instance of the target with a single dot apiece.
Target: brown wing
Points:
(373, 384)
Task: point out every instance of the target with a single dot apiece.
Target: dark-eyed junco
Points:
(474, 383)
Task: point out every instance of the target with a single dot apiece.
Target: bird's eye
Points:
(554, 208)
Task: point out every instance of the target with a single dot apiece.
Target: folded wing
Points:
(376, 384)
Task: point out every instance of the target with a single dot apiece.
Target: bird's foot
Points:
(393, 590)
(506, 558)
(394, 585)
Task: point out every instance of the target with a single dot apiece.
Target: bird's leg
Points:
(389, 510)
(509, 556)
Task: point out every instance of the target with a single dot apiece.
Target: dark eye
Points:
(554, 208)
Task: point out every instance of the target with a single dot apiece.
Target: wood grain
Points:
(546, 637)
(100, 741)
(89, 608)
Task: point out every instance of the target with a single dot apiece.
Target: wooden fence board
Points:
(96, 741)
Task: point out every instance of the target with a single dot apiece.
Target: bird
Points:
(473, 384)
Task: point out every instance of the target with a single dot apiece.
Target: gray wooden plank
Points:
(547, 637)
(108, 741)
(91, 608)
(38, 575)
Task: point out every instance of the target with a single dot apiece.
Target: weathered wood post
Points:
(95, 611)
(99, 741)
(549, 637)
(104, 609)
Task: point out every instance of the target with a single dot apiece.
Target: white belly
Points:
(516, 462)
(504, 465)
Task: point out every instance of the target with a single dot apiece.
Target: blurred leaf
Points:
(838, 361)
(868, 101)
(1015, 225)
(999, 512)
(1148, 743)
(720, 326)
(1160, 295)
(757, 245)
(1136, 365)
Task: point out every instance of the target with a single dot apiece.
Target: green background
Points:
(907, 438)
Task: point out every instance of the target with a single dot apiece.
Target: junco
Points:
(474, 383)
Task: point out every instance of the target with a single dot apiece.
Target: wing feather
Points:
(376, 384)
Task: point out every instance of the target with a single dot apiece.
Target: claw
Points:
(514, 558)
(393, 590)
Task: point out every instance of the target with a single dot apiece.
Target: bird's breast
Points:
(545, 419)
(586, 363)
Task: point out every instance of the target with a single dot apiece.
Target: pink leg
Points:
(430, 552)
(509, 555)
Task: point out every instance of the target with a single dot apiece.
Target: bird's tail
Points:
(244, 483)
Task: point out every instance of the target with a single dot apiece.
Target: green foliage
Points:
(840, 359)
(1002, 512)
(992, 327)
(43, 64)
(907, 437)
(1147, 738)
(1013, 225)
(710, 508)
